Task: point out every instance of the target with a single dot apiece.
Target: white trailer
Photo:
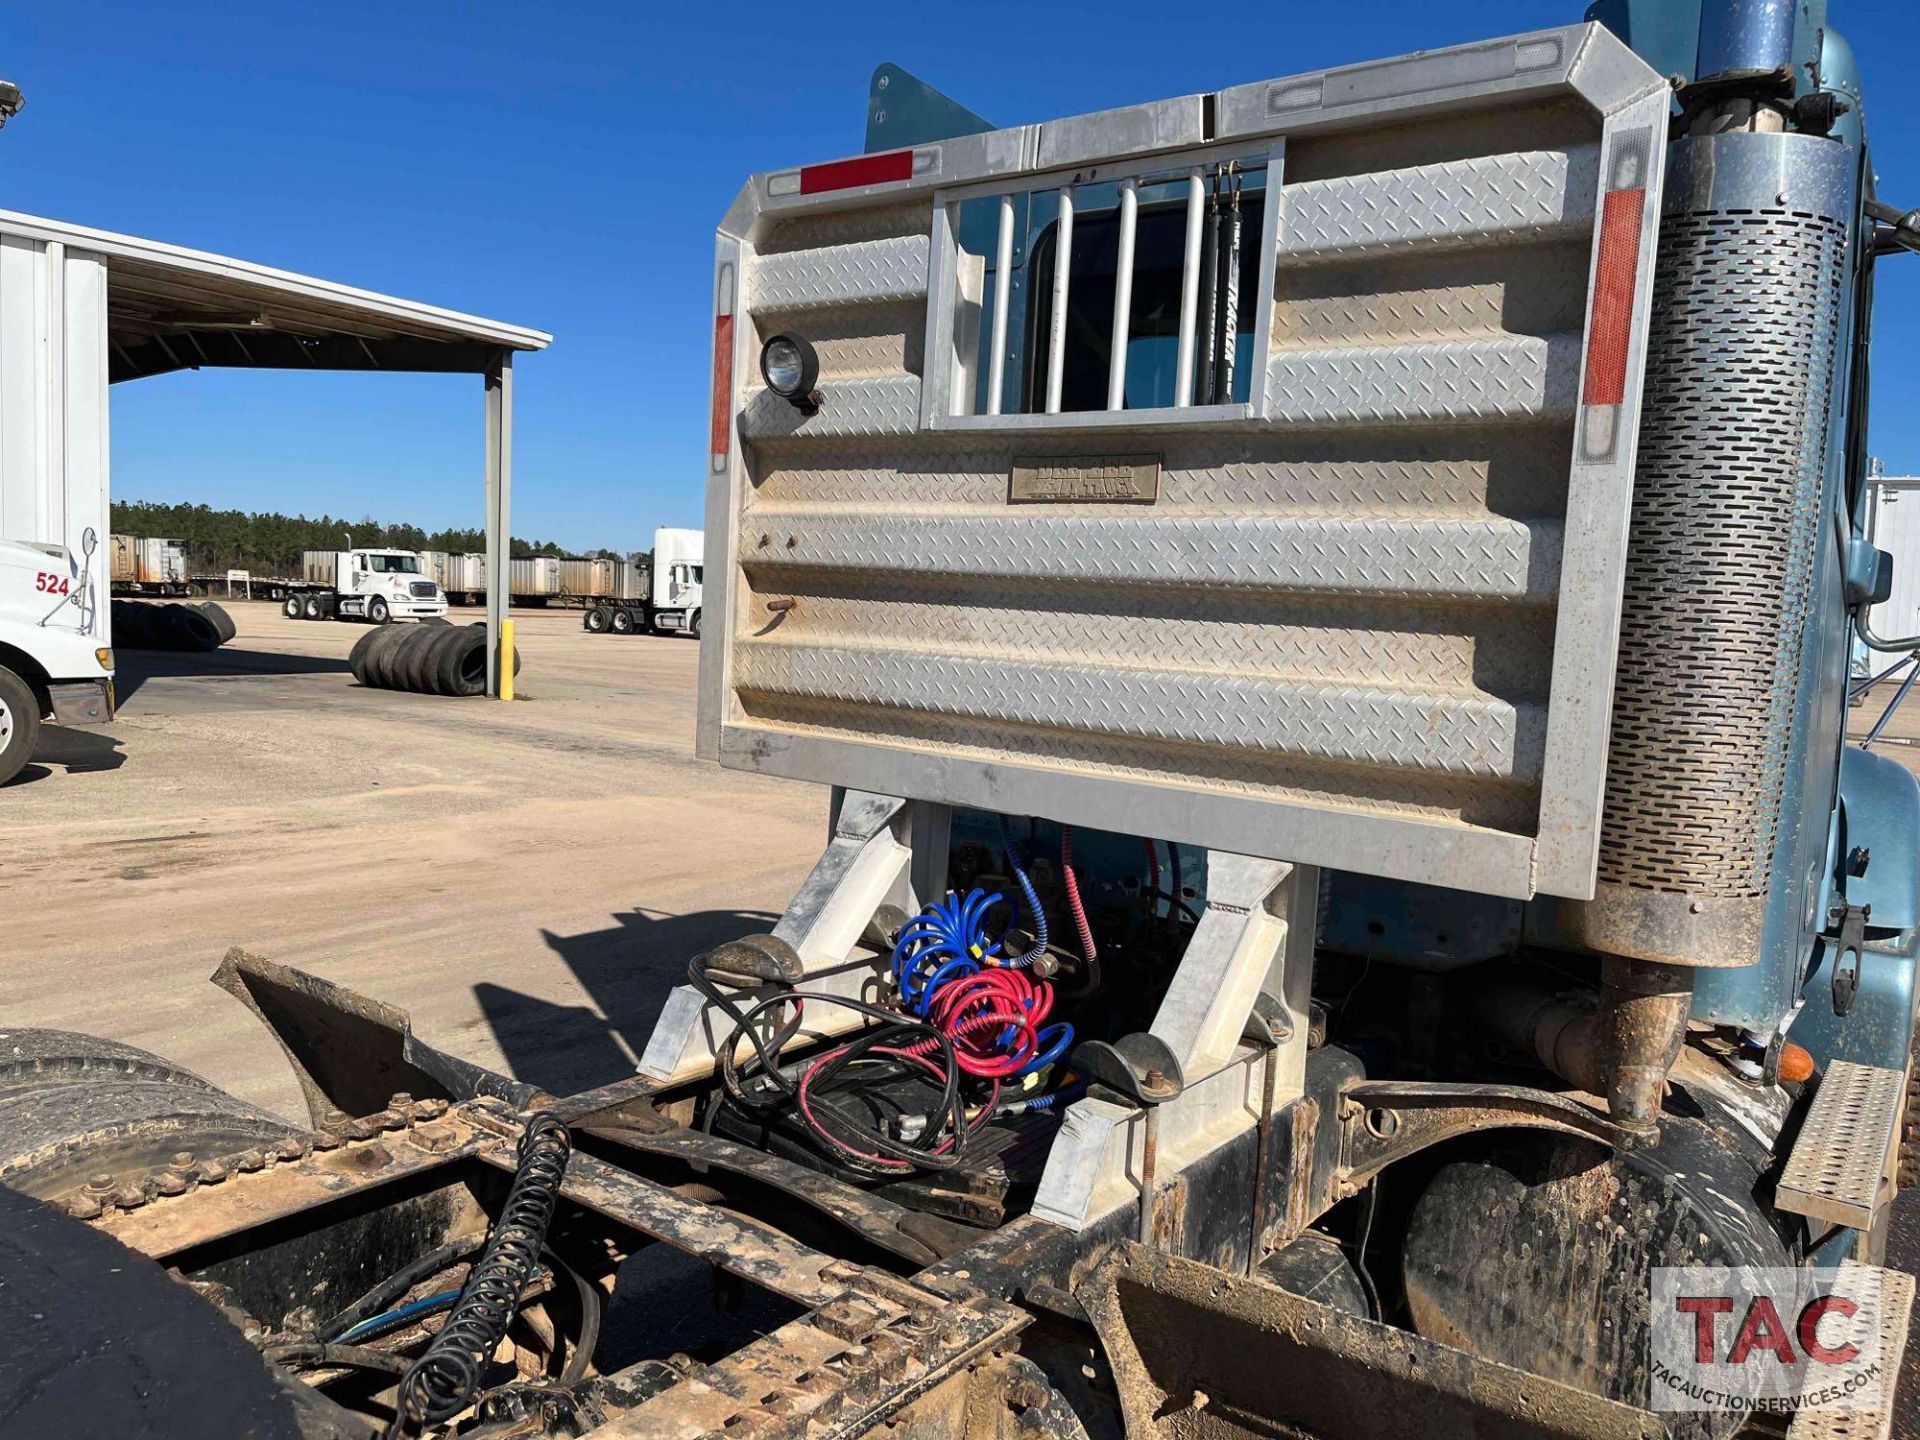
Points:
(146, 565)
(372, 585)
(673, 601)
(1894, 521)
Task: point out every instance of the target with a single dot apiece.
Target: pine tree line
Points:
(270, 544)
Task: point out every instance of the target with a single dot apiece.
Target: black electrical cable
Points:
(590, 1312)
(1360, 1254)
(444, 1380)
(778, 1090)
(382, 1296)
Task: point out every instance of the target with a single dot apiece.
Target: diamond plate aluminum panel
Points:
(1468, 735)
(816, 229)
(1501, 198)
(859, 406)
(1511, 377)
(865, 272)
(1424, 295)
(1838, 1167)
(1890, 1318)
(1482, 560)
(1479, 802)
(1343, 630)
(1502, 649)
(1465, 472)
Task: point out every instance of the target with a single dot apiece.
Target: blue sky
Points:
(563, 166)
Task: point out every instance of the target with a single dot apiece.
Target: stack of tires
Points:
(139, 626)
(431, 658)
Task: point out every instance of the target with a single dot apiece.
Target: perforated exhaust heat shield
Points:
(1720, 560)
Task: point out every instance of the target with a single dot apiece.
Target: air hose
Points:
(1032, 897)
(1089, 952)
(446, 1377)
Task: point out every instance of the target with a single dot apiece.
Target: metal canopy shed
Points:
(81, 309)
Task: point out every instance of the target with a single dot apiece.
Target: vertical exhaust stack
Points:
(1723, 542)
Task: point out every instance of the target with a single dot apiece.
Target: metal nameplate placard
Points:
(1085, 479)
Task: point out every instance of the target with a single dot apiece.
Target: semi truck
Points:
(1322, 610)
(56, 660)
(376, 585)
(670, 603)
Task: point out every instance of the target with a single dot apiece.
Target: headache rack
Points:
(1250, 469)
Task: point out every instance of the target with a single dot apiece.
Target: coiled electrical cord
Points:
(445, 1379)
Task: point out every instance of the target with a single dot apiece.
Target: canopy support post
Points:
(499, 512)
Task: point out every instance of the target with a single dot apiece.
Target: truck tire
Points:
(132, 625)
(73, 1107)
(373, 663)
(19, 724)
(621, 622)
(222, 621)
(190, 630)
(444, 646)
(377, 611)
(462, 664)
(357, 656)
(693, 625)
(418, 666)
(436, 620)
(294, 608)
(385, 663)
(596, 620)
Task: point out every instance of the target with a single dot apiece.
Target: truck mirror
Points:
(89, 541)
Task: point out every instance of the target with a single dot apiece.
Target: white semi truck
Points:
(55, 661)
(673, 602)
(374, 585)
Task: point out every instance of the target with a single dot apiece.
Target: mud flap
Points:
(350, 1053)
(1198, 1353)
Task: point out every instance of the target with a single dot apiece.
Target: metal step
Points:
(1837, 1172)
(1896, 1302)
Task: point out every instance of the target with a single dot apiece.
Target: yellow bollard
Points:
(505, 661)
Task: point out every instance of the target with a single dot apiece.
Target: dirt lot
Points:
(527, 879)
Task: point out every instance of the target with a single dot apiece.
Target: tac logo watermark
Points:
(1775, 1340)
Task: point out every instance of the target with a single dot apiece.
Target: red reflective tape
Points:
(722, 384)
(1613, 286)
(862, 170)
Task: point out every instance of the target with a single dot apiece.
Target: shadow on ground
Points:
(78, 752)
(133, 668)
(627, 971)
